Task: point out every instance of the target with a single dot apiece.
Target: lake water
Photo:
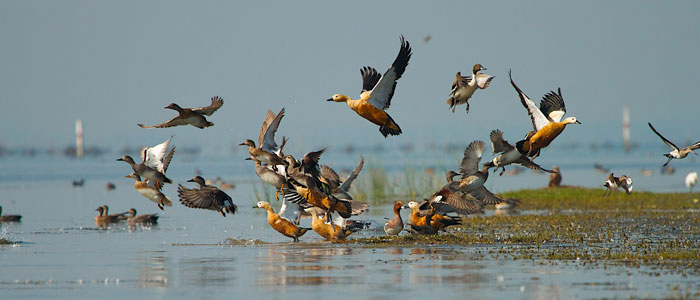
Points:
(63, 256)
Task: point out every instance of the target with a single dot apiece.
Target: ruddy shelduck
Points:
(282, 225)
(377, 91)
(546, 120)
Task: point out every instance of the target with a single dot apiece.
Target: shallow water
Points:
(61, 252)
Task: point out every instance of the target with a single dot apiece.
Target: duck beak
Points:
(191, 180)
(578, 122)
(248, 158)
(329, 99)
(120, 159)
(241, 144)
(483, 69)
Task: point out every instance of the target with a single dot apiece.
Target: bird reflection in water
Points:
(315, 266)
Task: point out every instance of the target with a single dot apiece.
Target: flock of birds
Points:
(309, 189)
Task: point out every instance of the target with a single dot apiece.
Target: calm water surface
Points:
(62, 255)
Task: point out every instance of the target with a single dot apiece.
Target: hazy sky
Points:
(117, 63)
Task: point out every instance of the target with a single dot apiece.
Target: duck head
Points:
(411, 205)
(450, 175)
(132, 212)
(100, 211)
(248, 142)
(198, 179)
(571, 120)
(262, 204)
(339, 98)
(174, 106)
(397, 207)
(477, 68)
(127, 159)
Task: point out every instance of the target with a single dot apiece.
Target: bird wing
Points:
(330, 176)
(196, 198)
(266, 139)
(552, 105)
(153, 157)
(381, 94)
(289, 210)
(348, 181)
(672, 145)
(483, 80)
(472, 156)
(459, 82)
(167, 159)
(485, 196)
(216, 103)
(498, 143)
(695, 146)
(455, 202)
(525, 162)
(175, 121)
(539, 120)
(370, 77)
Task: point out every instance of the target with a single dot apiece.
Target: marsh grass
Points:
(375, 186)
(581, 225)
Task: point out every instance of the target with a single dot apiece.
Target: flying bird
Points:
(676, 152)
(377, 91)
(464, 86)
(190, 116)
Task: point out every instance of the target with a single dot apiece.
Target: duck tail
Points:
(452, 103)
(390, 127)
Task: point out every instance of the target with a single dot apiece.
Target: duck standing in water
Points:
(147, 219)
(190, 116)
(104, 219)
(206, 197)
(437, 221)
(377, 91)
(395, 225)
(281, 224)
(9, 218)
(464, 86)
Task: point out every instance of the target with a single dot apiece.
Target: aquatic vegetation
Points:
(4, 241)
(579, 225)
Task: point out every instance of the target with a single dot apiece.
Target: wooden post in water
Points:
(79, 139)
(626, 128)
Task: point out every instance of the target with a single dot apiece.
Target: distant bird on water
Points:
(190, 116)
(206, 197)
(676, 152)
(377, 91)
(464, 86)
(147, 219)
(79, 183)
(691, 180)
(9, 218)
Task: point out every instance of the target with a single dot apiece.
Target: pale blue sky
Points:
(118, 63)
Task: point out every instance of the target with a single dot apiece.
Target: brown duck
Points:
(9, 218)
(206, 197)
(190, 116)
(147, 219)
